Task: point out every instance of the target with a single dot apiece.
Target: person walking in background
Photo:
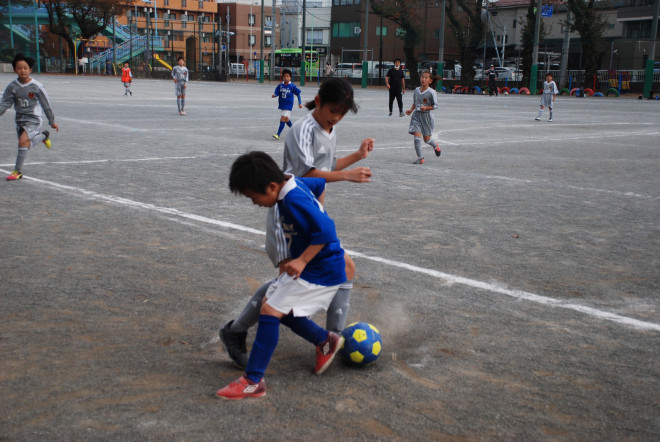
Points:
(127, 78)
(180, 76)
(492, 81)
(395, 80)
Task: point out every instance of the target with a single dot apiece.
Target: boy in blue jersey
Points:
(310, 279)
(286, 90)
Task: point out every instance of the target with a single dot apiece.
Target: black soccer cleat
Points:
(235, 345)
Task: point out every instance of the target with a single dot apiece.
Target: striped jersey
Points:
(286, 93)
(550, 88)
(30, 101)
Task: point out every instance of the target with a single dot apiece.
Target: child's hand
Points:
(366, 146)
(174, 80)
(55, 126)
(408, 112)
(274, 96)
(300, 106)
(185, 86)
(294, 268)
(359, 175)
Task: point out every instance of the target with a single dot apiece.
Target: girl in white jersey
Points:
(309, 151)
(30, 101)
(422, 121)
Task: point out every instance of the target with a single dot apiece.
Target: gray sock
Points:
(178, 103)
(20, 158)
(250, 314)
(551, 113)
(418, 147)
(540, 113)
(183, 103)
(431, 142)
(338, 309)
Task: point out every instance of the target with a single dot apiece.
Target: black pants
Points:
(399, 99)
(492, 87)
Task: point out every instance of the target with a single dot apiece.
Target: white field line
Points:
(517, 294)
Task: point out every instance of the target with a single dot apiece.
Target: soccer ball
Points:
(506, 93)
(362, 344)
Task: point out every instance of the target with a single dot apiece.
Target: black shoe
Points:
(235, 345)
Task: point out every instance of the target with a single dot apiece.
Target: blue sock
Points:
(306, 328)
(289, 123)
(281, 128)
(268, 333)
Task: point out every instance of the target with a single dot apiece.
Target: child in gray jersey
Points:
(309, 151)
(180, 76)
(422, 121)
(550, 92)
(30, 101)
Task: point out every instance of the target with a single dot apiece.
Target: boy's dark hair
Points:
(338, 92)
(287, 71)
(180, 58)
(254, 171)
(397, 59)
(548, 75)
(20, 57)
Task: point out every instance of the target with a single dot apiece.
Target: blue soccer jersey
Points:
(286, 93)
(306, 223)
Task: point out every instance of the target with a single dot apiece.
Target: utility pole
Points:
(535, 53)
(302, 58)
(441, 47)
(365, 57)
(261, 50)
(564, 50)
(483, 67)
(650, 62)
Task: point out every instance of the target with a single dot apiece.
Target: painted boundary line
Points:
(516, 294)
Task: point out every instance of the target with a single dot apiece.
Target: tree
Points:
(591, 25)
(405, 14)
(469, 30)
(82, 18)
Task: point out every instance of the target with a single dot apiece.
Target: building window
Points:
(314, 37)
(184, 4)
(436, 34)
(201, 4)
(381, 31)
(252, 40)
(167, 2)
(184, 25)
(514, 23)
(400, 32)
(345, 30)
(251, 19)
(267, 41)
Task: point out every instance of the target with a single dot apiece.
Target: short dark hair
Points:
(254, 171)
(397, 59)
(548, 75)
(337, 91)
(287, 71)
(20, 57)
(180, 58)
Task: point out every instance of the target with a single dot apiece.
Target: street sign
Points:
(546, 11)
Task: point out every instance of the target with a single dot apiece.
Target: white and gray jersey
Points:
(180, 74)
(30, 101)
(550, 88)
(307, 146)
(426, 98)
(549, 91)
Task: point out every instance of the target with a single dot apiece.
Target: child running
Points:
(286, 90)
(30, 101)
(310, 279)
(180, 76)
(422, 120)
(309, 151)
(550, 92)
(127, 78)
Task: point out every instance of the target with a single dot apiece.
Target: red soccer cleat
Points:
(15, 175)
(242, 388)
(326, 351)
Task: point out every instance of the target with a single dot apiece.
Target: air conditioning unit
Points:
(357, 30)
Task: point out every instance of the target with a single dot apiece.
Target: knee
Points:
(350, 267)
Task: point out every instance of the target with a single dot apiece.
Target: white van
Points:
(237, 69)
